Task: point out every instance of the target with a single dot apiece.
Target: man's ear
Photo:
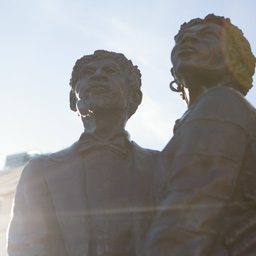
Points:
(72, 100)
(137, 96)
(135, 100)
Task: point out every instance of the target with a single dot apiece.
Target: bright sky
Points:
(41, 40)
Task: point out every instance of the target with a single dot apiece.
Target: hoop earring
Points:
(178, 89)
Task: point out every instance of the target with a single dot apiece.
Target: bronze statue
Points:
(210, 202)
(96, 197)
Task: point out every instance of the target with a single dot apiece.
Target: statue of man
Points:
(94, 198)
(210, 204)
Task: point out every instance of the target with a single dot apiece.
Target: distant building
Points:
(9, 179)
(20, 159)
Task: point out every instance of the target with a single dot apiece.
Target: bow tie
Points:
(118, 144)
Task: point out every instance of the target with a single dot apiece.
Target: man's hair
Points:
(236, 50)
(133, 74)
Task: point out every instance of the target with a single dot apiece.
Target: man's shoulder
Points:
(43, 161)
(71, 153)
(145, 158)
(137, 149)
(64, 154)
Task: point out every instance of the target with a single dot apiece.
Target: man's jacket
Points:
(50, 215)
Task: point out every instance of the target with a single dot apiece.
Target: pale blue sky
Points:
(41, 40)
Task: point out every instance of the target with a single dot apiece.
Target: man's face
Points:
(102, 86)
(198, 50)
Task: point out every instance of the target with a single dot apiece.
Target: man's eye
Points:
(85, 72)
(112, 71)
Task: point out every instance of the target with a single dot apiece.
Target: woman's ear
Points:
(72, 100)
(172, 72)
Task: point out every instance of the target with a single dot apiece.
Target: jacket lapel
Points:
(65, 179)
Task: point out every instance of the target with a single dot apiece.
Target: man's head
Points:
(214, 50)
(105, 81)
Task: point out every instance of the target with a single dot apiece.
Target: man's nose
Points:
(98, 74)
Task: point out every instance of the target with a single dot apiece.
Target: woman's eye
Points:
(179, 37)
(209, 33)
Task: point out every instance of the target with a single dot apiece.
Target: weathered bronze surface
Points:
(209, 207)
(105, 195)
(96, 197)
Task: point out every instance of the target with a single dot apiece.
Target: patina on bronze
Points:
(210, 204)
(94, 198)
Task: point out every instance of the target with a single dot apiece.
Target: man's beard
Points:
(98, 104)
